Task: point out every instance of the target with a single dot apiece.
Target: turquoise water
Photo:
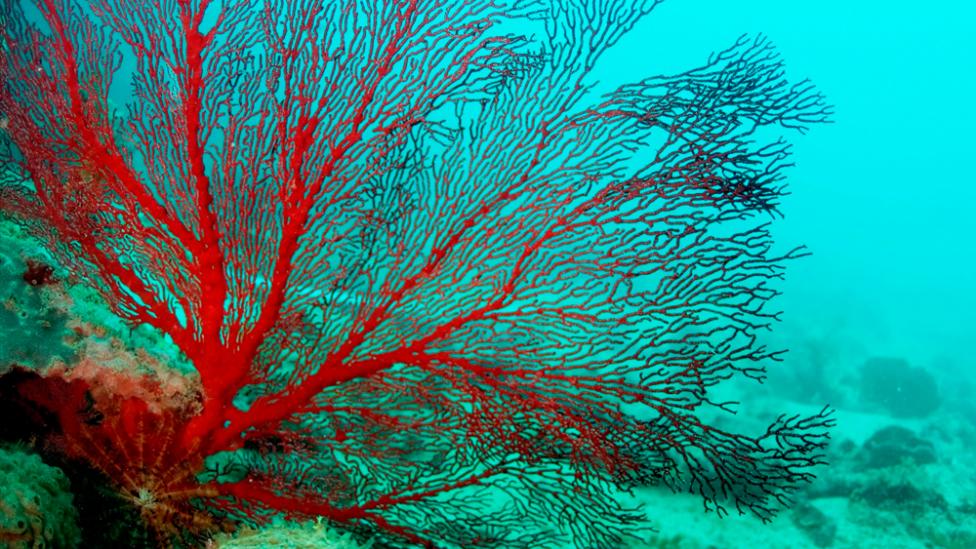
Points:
(884, 198)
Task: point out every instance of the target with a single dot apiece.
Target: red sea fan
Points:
(432, 287)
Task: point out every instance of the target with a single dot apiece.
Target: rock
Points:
(903, 390)
(821, 529)
(895, 445)
(36, 505)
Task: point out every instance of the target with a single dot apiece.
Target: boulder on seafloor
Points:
(902, 390)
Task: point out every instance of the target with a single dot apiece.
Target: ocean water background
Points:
(884, 199)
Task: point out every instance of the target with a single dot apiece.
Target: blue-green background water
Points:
(884, 198)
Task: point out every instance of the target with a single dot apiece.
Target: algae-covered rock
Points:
(289, 535)
(32, 328)
(36, 507)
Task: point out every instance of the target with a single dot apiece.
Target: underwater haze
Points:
(880, 318)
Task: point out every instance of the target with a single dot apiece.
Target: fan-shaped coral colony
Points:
(421, 280)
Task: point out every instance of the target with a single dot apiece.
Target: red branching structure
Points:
(433, 288)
